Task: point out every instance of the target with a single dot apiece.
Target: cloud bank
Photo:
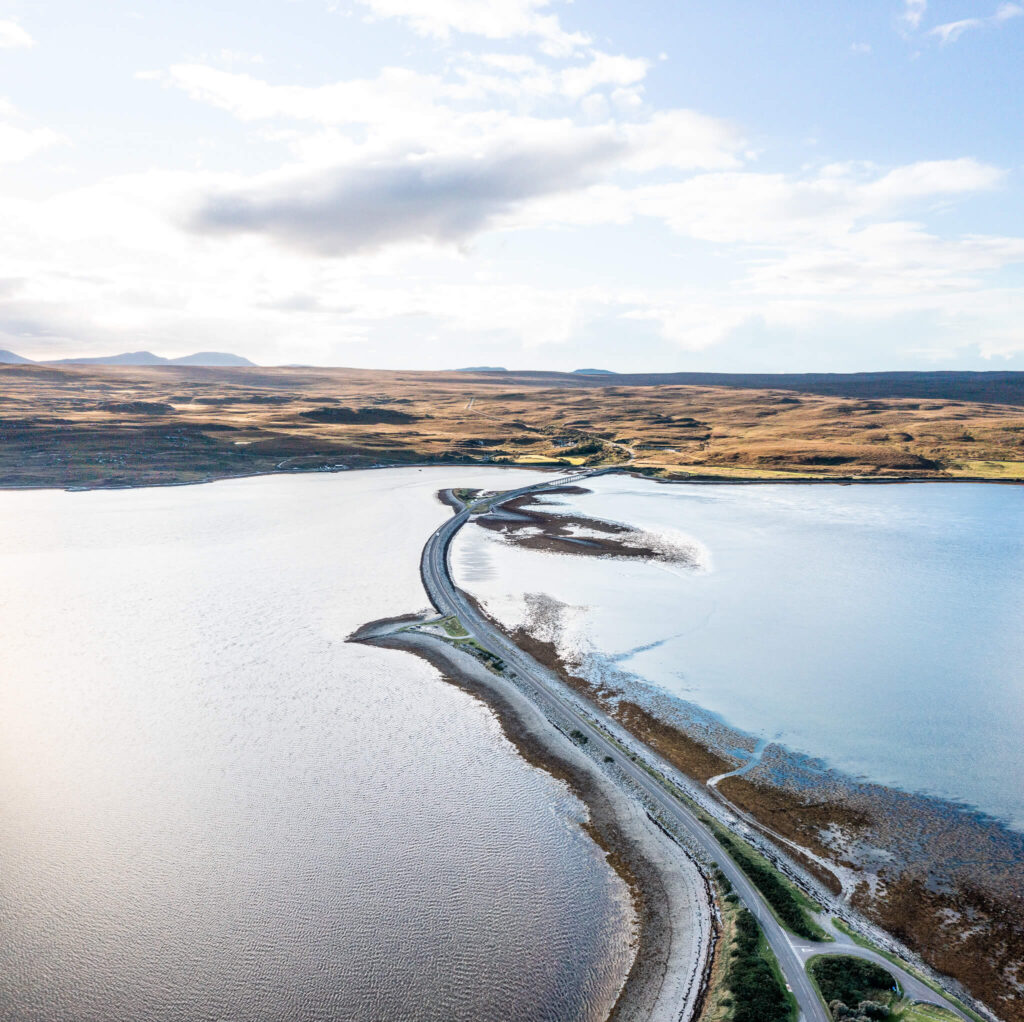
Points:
(444, 200)
(500, 182)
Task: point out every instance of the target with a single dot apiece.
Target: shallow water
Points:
(878, 627)
(212, 807)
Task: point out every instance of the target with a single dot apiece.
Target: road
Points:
(912, 986)
(555, 699)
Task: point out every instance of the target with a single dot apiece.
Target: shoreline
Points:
(671, 897)
(904, 867)
(787, 804)
(554, 468)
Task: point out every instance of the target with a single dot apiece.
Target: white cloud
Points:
(1007, 11)
(19, 141)
(834, 234)
(396, 93)
(469, 196)
(448, 171)
(434, 164)
(105, 267)
(523, 78)
(603, 69)
(890, 259)
(953, 30)
(913, 12)
(404, 103)
(933, 177)
(775, 209)
(687, 320)
(446, 200)
(13, 36)
(492, 19)
(682, 139)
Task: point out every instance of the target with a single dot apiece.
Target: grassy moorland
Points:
(115, 425)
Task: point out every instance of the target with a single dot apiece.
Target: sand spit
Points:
(525, 522)
(670, 893)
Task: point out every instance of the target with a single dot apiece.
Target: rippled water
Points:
(878, 627)
(212, 807)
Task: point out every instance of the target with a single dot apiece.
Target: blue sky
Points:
(432, 183)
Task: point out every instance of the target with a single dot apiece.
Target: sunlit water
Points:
(212, 807)
(878, 627)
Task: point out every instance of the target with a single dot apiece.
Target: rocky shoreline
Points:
(944, 880)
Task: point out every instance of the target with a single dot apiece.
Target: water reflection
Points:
(213, 807)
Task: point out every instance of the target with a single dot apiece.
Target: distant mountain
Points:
(211, 358)
(127, 358)
(9, 358)
(482, 369)
(593, 372)
(147, 358)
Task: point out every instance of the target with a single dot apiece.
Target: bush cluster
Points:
(849, 980)
(866, 1011)
(757, 994)
(776, 893)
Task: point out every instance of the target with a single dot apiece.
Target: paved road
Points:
(549, 692)
(912, 987)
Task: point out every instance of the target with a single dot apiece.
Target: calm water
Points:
(878, 627)
(212, 807)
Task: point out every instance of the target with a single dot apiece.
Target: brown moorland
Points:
(131, 425)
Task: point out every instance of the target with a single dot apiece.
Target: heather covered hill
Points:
(119, 425)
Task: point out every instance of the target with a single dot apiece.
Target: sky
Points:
(426, 184)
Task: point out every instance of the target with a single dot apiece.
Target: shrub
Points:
(757, 994)
(776, 893)
(873, 1010)
(866, 1011)
(851, 981)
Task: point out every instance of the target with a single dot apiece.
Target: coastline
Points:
(553, 467)
(750, 792)
(670, 894)
(936, 883)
